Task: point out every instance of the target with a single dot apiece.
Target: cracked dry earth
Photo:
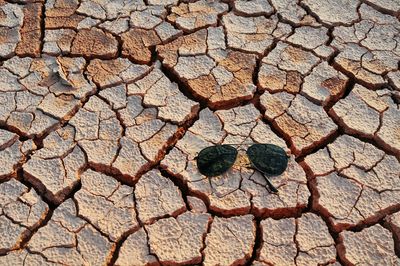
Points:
(104, 105)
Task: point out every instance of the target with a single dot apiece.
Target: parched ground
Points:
(105, 104)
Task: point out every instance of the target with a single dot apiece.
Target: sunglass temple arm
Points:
(270, 186)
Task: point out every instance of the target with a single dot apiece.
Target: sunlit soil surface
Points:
(105, 106)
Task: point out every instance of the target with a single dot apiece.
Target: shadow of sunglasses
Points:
(268, 159)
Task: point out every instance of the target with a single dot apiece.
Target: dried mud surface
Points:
(104, 106)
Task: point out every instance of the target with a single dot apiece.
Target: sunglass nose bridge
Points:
(242, 159)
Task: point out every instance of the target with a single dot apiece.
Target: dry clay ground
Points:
(105, 104)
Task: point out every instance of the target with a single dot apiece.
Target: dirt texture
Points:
(106, 104)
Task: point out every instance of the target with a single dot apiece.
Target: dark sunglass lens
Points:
(216, 160)
(268, 158)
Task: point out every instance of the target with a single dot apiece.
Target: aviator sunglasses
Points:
(268, 159)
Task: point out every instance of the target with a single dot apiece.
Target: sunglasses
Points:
(269, 159)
